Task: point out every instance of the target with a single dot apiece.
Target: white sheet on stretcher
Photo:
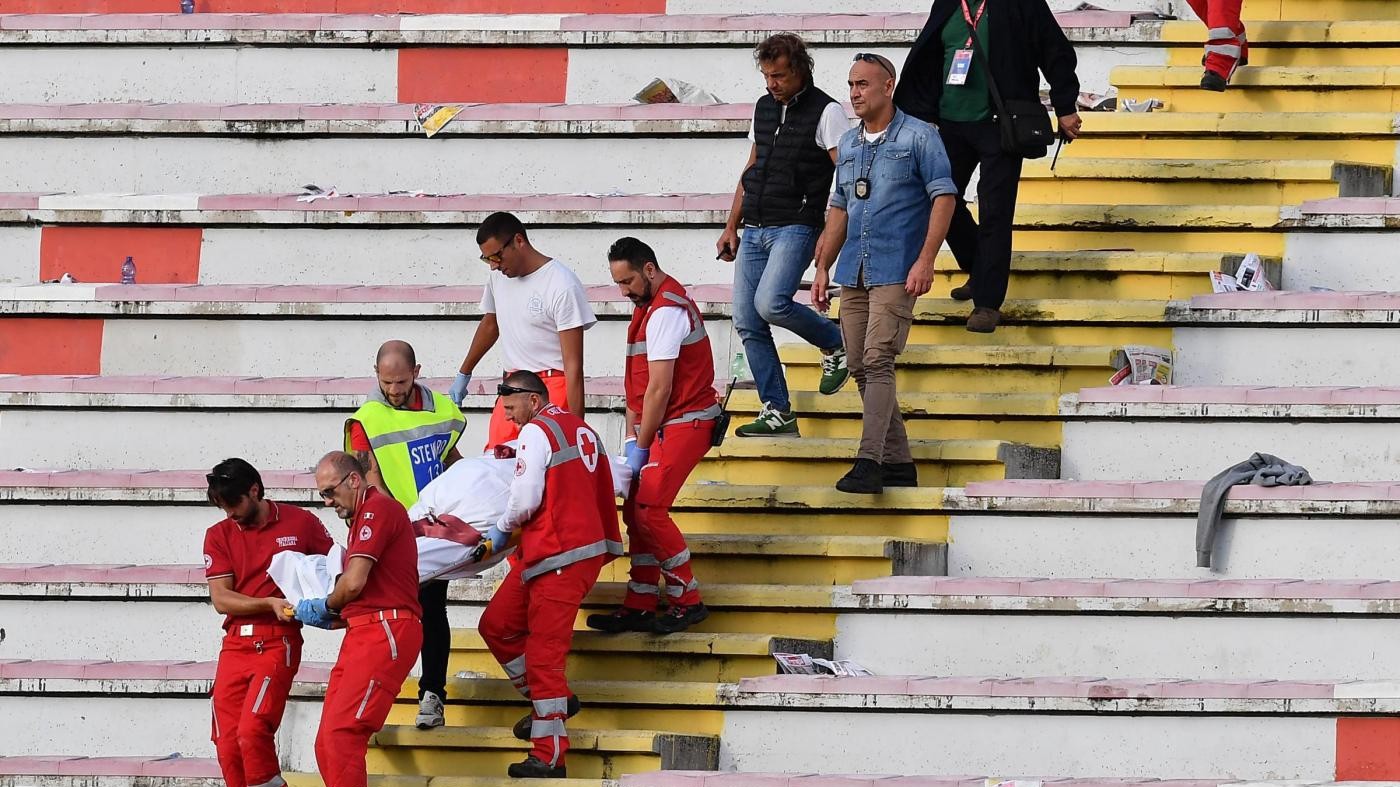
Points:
(472, 491)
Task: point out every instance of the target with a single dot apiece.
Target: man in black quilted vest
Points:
(781, 205)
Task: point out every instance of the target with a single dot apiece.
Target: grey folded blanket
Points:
(1260, 469)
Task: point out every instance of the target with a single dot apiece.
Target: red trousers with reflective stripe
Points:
(651, 532)
(535, 620)
(251, 684)
(1223, 19)
(374, 660)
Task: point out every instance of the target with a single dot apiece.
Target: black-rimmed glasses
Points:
(329, 492)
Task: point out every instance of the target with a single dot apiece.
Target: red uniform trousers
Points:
(378, 651)
(529, 626)
(1227, 44)
(251, 684)
(655, 543)
(502, 430)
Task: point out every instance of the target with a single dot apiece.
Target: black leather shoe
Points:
(534, 768)
(522, 727)
(962, 292)
(679, 618)
(1215, 82)
(622, 619)
(865, 478)
(900, 474)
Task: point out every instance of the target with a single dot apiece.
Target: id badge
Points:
(862, 188)
(962, 64)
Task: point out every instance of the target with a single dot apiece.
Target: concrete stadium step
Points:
(825, 460)
(585, 58)
(1370, 137)
(1289, 10)
(1313, 338)
(672, 779)
(1034, 321)
(1221, 629)
(1314, 245)
(170, 330)
(1193, 181)
(404, 749)
(1062, 724)
(1339, 433)
(1100, 275)
(1068, 529)
(1267, 88)
(976, 368)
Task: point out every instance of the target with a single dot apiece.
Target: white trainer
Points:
(429, 711)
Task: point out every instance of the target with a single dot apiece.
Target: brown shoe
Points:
(983, 320)
(962, 292)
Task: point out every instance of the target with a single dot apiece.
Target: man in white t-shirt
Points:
(537, 309)
(781, 203)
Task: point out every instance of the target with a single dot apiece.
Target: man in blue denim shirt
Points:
(888, 171)
(780, 202)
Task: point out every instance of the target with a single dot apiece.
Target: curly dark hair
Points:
(786, 45)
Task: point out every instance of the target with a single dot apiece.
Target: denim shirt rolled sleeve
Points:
(885, 232)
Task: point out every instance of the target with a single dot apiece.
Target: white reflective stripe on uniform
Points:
(679, 559)
(1229, 50)
(645, 559)
(698, 332)
(566, 558)
(709, 413)
(645, 590)
(637, 348)
(287, 652)
(550, 707)
(214, 717)
(393, 643)
(368, 691)
(515, 667)
(417, 432)
(543, 728)
(275, 781)
(262, 693)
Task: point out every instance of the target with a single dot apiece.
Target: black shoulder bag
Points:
(1025, 125)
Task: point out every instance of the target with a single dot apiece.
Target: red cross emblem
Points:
(587, 447)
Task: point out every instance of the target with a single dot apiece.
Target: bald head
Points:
(340, 478)
(339, 463)
(396, 351)
(396, 368)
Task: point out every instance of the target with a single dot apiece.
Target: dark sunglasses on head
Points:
(866, 57)
(216, 477)
(509, 390)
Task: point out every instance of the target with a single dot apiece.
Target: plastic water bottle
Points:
(129, 271)
(739, 367)
(187, 6)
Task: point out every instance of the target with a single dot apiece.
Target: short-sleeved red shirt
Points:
(381, 532)
(243, 554)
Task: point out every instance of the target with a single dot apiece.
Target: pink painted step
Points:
(1129, 588)
(1240, 394)
(85, 669)
(152, 384)
(1063, 687)
(1319, 301)
(346, 293)
(1179, 490)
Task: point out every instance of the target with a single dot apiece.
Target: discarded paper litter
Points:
(1140, 105)
(432, 117)
(1249, 277)
(802, 664)
(1141, 365)
(674, 91)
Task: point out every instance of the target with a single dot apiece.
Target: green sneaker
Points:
(834, 372)
(770, 423)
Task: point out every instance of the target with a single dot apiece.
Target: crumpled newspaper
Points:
(432, 117)
(674, 91)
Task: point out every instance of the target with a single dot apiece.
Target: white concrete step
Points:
(1182, 432)
(277, 422)
(580, 59)
(1064, 529)
(1217, 629)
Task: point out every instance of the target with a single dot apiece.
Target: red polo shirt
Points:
(244, 553)
(381, 532)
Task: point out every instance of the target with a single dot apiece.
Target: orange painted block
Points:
(1368, 749)
(50, 345)
(163, 255)
(484, 74)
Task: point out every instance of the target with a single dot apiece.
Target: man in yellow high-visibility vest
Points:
(407, 434)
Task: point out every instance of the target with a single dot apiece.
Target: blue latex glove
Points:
(494, 541)
(636, 457)
(313, 612)
(458, 391)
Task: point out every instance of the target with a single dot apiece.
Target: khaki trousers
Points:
(875, 326)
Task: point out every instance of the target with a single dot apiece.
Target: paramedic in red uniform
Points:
(262, 643)
(671, 412)
(562, 503)
(1227, 48)
(376, 599)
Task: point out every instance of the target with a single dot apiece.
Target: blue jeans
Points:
(767, 272)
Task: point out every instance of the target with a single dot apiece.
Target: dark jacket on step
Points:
(1025, 39)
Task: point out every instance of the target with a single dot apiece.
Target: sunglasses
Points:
(495, 256)
(329, 492)
(509, 390)
(866, 57)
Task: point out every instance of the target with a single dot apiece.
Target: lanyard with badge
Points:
(868, 148)
(962, 59)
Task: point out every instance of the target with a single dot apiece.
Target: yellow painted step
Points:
(825, 460)
(1314, 33)
(1195, 236)
(594, 716)
(784, 559)
(1011, 369)
(592, 753)
(1130, 217)
(1288, 10)
(1091, 180)
(419, 780)
(688, 656)
(1096, 275)
(1267, 89)
(726, 508)
(1375, 150)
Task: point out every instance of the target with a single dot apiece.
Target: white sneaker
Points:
(429, 711)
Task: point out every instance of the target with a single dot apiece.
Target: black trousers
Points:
(983, 250)
(437, 638)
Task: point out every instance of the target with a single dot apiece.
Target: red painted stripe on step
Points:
(486, 75)
(1368, 749)
(50, 345)
(163, 255)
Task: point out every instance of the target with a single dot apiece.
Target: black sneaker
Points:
(900, 474)
(679, 618)
(521, 730)
(1215, 82)
(865, 478)
(623, 619)
(535, 768)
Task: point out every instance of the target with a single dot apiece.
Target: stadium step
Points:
(1267, 88)
(976, 369)
(1068, 529)
(1193, 181)
(825, 460)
